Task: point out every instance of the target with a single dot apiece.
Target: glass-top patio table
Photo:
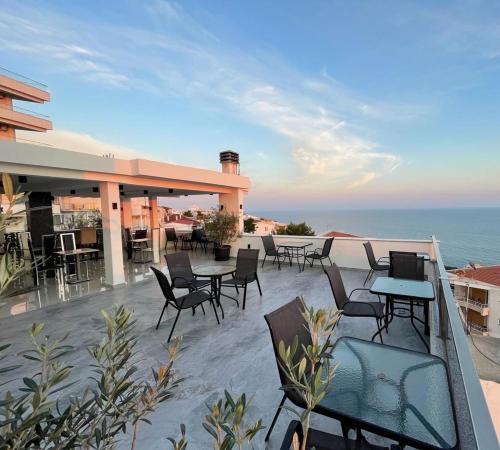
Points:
(295, 250)
(411, 290)
(215, 272)
(393, 392)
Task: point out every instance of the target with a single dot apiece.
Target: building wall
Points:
(494, 316)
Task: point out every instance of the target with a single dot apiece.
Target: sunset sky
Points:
(331, 104)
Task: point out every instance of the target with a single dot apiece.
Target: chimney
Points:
(230, 162)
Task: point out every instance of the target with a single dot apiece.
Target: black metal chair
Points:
(247, 262)
(190, 300)
(181, 273)
(351, 308)
(199, 238)
(284, 324)
(171, 237)
(270, 249)
(320, 254)
(408, 266)
(375, 264)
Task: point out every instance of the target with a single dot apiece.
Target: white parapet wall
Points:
(346, 252)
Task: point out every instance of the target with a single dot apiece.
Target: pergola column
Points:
(126, 212)
(153, 213)
(233, 204)
(112, 235)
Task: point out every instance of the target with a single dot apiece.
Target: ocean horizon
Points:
(466, 234)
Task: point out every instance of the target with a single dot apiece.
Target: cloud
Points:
(78, 142)
(178, 56)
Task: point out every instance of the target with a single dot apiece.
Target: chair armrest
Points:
(383, 257)
(206, 292)
(363, 303)
(362, 289)
(357, 289)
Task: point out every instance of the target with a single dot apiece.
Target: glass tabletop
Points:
(294, 244)
(400, 287)
(213, 270)
(404, 394)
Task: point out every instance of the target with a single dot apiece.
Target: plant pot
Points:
(222, 253)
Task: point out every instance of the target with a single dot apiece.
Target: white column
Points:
(112, 234)
(126, 208)
(233, 203)
(154, 223)
(153, 213)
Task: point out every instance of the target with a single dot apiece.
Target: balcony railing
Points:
(449, 340)
(22, 78)
(475, 305)
(479, 328)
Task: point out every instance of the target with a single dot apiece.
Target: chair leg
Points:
(215, 311)
(173, 326)
(161, 315)
(194, 312)
(203, 309)
(321, 262)
(275, 418)
(264, 260)
(368, 276)
(258, 284)
(245, 295)
(379, 332)
(331, 264)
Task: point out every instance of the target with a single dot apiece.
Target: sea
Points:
(466, 235)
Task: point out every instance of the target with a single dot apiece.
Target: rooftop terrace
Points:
(237, 355)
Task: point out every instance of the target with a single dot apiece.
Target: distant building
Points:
(337, 234)
(264, 226)
(477, 292)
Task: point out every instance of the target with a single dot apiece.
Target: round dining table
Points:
(215, 272)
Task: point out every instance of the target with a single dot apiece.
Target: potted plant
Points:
(222, 229)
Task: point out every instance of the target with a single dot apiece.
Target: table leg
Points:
(217, 286)
(78, 268)
(426, 318)
(416, 329)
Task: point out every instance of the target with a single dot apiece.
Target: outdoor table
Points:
(411, 290)
(393, 392)
(77, 254)
(294, 250)
(215, 272)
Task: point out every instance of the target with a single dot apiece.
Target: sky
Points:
(330, 104)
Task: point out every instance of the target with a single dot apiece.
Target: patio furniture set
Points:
(400, 394)
(197, 280)
(64, 254)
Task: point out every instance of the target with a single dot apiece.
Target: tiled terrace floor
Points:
(236, 355)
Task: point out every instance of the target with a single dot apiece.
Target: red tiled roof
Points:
(335, 234)
(487, 274)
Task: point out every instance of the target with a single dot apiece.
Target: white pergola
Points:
(115, 181)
